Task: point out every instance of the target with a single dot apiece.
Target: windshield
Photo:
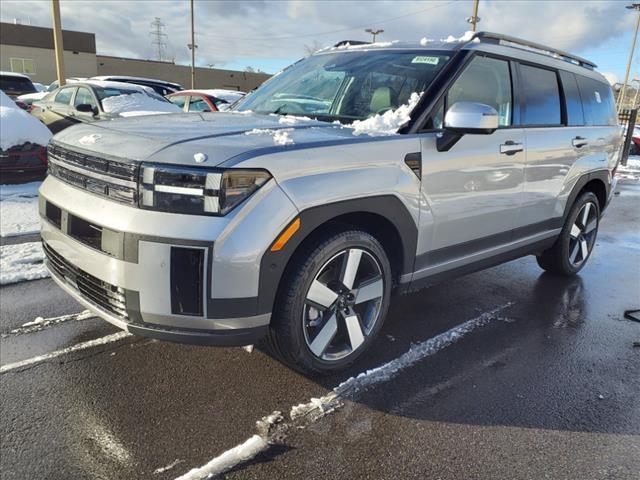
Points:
(346, 86)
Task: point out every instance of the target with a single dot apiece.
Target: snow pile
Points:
(389, 122)
(41, 323)
(21, 262)
(630, 171)
(135, 104)
(291, 119)
(17, 127)
(19, 209)
(280, 137)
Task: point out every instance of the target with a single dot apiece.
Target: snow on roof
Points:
(141, 79)
(14, 74)
(17, 127)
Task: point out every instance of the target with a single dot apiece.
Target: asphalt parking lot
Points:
(546, 386)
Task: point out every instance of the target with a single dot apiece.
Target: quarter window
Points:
(197, 104)
(64, 96)
(485, 80)
(597, 100)
(178, 100)
(541, 95)
(575, 114)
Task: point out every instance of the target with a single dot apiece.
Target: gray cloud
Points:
(233, 30)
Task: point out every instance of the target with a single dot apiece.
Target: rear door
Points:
(57, 111)
(474, 190)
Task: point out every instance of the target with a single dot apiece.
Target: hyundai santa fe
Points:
(355, 174)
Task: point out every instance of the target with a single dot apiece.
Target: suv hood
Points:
(176, 138)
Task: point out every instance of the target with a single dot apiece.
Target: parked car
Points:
(160, 86)
(25, 101)
(211, 100)
(83, 102)
(23, 141)
(15, 84)
(634, 147)
(418, 163)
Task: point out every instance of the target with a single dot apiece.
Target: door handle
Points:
(510, 147)
(579, 142)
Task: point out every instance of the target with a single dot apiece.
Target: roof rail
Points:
(533, 47)
(350, 42)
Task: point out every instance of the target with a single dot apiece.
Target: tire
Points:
(332, 302)
(573, 247)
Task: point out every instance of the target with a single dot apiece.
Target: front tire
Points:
(573, 247)
(332, 302)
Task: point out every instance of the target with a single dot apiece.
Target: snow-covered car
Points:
(89, 101)
(209, 100)
(15, 84)
(161, 87)
(23, 141)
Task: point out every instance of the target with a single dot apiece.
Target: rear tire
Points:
(332, 302)
(573, 247)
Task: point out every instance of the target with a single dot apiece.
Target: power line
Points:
(342, 30)
(158, 38)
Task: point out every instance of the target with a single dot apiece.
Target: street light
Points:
(374, 33)
(474, 18)
(636, 7)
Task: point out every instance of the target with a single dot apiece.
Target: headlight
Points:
(196, 191)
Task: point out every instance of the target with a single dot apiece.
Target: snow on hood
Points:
(389, 122)
(136, 104)
(18, 127)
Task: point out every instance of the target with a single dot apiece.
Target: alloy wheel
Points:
(343, 304)
(582, 235)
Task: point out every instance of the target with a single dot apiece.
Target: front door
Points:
(473, 191)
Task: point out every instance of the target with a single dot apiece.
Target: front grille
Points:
(107, 178)
(102, 294)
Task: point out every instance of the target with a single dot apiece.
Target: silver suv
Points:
(414, 163)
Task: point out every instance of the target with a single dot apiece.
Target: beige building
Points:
(27, 49)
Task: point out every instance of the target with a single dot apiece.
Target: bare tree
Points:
(312, 48)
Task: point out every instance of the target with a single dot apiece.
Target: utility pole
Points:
(474, 18)
(57, 42)
(374, 33)
(192, 47)
(636, 7)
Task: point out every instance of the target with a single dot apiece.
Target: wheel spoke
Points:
(574, 252)
(321, 294)
(324, 337)
(354, 328)
(585, 214)
(350, 269)
(591, 226)
(575, 231)
(370, 290)
(585, 249)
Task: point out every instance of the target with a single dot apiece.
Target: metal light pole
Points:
(193, 47)
(57, 42)
(474, 18)
(374, 33)
(636, 7)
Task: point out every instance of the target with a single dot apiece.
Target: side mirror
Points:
(471, 117)
(87, 108)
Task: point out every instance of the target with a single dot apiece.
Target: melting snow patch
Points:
(168, 467)
(292, 119)
(463, 39)
(41, 323)
(389, 122)
(630, 171)
(57, 353)
(280, 137)
(19, 209)
(24, 261)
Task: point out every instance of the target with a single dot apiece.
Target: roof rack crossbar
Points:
(535, 47)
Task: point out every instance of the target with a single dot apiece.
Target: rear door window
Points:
(597, 101)
(575, 114)
(485, 80)
(541, 96)
(179, 100)
(198, 104)
(63, 97)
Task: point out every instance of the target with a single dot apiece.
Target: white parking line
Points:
(74, 348)
(271, 427)
(41, 323)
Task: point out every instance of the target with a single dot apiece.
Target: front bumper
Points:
(127, 274)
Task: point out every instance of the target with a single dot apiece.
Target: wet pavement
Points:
(551, 389)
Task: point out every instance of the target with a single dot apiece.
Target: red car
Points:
(204, 100)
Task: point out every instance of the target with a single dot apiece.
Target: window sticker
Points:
(598, 99)
(428, 60)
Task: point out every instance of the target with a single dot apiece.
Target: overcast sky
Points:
(271, 34)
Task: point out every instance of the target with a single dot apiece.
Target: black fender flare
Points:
(602, 175)
(273, 264)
